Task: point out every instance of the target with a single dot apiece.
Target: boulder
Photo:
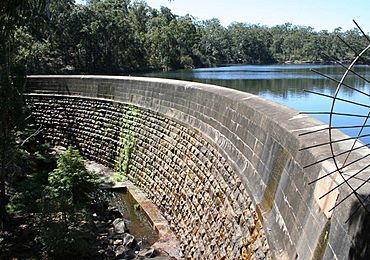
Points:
(129, 240)
(147, 252)
(119, 225)
(121, 251)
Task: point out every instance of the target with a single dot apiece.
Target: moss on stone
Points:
(126, 144)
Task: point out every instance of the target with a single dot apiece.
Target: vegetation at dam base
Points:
(123, 36)
(49, 203)
(59, 209)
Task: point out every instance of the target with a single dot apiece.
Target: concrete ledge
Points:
(167, 240)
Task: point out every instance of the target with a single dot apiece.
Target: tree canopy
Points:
(123, 36)
(15, 17)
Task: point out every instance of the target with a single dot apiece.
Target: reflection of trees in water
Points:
(287, 87)
(285, 84)
(274, 80)
(359, 229)
(283, 88)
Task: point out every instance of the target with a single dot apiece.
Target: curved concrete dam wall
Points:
(223, 166)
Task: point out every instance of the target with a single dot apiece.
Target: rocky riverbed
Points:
(112, 230)
(113, 235)
(106, 231)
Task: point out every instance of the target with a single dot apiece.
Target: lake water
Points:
(286, 84)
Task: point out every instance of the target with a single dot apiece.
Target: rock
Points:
(118, 242)
(114, 212)
(109, 253)
(148, 252)
(119, 226)
(123, 252)
(129, 240)
(111, 232)
(120, 251)
(259, 255)
(265, 247)
(130, 255)
(104, 241)
(139, 245)
(100, 226)
(23, 227)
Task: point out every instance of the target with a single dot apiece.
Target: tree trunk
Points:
(3, 214)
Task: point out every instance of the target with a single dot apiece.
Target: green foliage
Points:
(116, 36)
(118, 177)
(63, 234)
(136, 206)
(27, 184)
(64, 221)
(71, 182)
(58, 200)
(29, 192)
(125, 154)
(127, 144)
(13, 16)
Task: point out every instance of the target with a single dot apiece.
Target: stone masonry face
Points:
(217, 161)
(198, 192)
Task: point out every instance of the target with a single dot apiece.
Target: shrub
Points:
(65, 221)
(71, 182)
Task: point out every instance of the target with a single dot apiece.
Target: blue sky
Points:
(319, 14)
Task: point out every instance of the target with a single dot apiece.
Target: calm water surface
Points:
(285, 84)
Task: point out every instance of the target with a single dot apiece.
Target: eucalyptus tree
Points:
(187, 38)
(61, 32)
(215, 43)
(162, 44)
(357, 42)
(139, 18)
(250, 44)
(13, 15)
(292, 44)
(278, 34)
(337, 48)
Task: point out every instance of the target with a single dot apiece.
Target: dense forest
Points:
(122, 36)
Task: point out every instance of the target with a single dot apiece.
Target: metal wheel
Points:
(350, 115)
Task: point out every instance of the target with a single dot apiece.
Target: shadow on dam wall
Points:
(223, 166)
(359, 228)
